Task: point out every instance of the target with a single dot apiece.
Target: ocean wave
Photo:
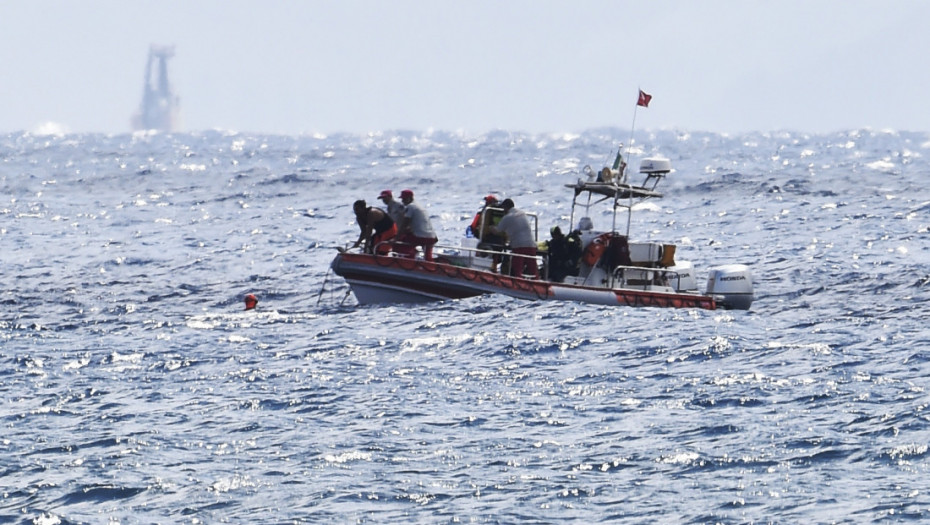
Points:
(137, 385)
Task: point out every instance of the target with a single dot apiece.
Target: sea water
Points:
(135, 388)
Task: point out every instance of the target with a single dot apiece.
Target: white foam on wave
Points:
(51, 129)
(831, 347)
(346, 457)
(884, 165)
(647, 206)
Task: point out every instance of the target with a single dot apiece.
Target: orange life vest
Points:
(595, 249)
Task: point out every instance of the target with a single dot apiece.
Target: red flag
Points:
(644, 99)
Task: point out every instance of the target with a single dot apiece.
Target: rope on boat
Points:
(326, 279)
(344, 297)
(323, 287)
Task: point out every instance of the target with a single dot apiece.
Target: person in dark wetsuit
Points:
(376, 227)
(564, 252)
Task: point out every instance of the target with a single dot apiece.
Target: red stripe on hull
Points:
(634, 298)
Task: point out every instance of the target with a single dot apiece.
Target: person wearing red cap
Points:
(489, 215)
(415, 229)
(477, 228)
(394, 208)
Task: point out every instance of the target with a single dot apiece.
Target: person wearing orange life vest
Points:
(490, 201)
(516, 226)
(489, 215)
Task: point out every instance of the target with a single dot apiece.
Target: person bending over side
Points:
(376, 227)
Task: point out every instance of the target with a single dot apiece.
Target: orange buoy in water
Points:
(250, 301)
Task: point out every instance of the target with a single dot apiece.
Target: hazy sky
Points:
(538, 66)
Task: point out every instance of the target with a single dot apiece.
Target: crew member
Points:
(394, 208)
(415, 229)
(489, 215)
(476, 224)
(516, 226)
(564, 253)
(376, 227)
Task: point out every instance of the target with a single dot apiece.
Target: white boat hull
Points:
(387, 279)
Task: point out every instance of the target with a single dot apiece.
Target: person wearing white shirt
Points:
(415, 229)
(516, 226)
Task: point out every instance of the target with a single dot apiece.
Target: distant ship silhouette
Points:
(160, 108)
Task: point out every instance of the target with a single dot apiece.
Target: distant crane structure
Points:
(160, 108)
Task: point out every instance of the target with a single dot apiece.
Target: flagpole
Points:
(629, 159)
(629, 147)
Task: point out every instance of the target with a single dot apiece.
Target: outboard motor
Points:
(684, 280)
(731, 286)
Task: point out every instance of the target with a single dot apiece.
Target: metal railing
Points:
(644, 277)
(629, 277)
(452, 252)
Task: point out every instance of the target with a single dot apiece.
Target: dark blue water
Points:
(135, 389)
